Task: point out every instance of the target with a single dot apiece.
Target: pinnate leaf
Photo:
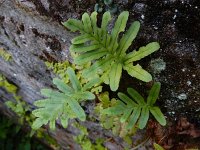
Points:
(138, 72)
(154, 93)
(63, 105)
(115, 75)
(158, 115)
(96, 44)
(135, 110)
(142, 52)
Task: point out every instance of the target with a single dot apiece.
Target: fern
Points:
(107, 51)
(63, 104)
(136, 110)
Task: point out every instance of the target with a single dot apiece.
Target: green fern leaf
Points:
(87, 23)
(105, 20)
(138, 72)
(158, 115)
(98, 66)
(134, 117)
(38, 123)
(84, 96)
(115, 110)
(74, 81)
(142, 52)
(126, 99)
(62, 86)
(94, 22)
(127, 39)
(103, 49)
(89, 56)
(91, 83)
(120, 25)
(136, 96)
(63, 104)
(74, 25)
(158, 147)
(135, 110)
(82, 39)
(115, 75)
(153, 94)
(64, 120)
(143, 117)
(126, 115)
(77, 109)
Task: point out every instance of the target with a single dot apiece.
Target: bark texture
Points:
(32, 36)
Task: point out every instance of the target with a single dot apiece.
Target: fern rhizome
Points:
(107, 51)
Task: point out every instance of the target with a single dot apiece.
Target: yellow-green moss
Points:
(8, 86)
(22, 109)
(60, 68)
(5, 55)
(113, 122)
(83, 140)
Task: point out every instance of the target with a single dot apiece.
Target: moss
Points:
(8, 86)
(44, 136)
(113, 122)
(85, 142)
(60, 70)
(5, 55)
(22, 109)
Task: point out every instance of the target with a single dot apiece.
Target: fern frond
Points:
(63, 104)
(128, 37)
(136, 110)
(153, 94)
(138, 72)
(142, 52)
(115, 75)
(106, 50)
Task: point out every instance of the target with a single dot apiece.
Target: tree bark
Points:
(32, 36)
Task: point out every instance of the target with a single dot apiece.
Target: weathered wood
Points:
(32, 38)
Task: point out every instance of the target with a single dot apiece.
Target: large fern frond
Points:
(135, 110)
(63, 104)
(106, 50)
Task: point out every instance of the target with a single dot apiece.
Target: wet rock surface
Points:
(31, 31)
(175, 25)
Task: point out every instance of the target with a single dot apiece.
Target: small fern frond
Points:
(63, 104)
(153, 94)
(128, 37)
(136, 110)
(106, 50)
(138, 72)
(115, 75)
(142, 52)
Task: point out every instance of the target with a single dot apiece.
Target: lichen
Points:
(157, 65)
